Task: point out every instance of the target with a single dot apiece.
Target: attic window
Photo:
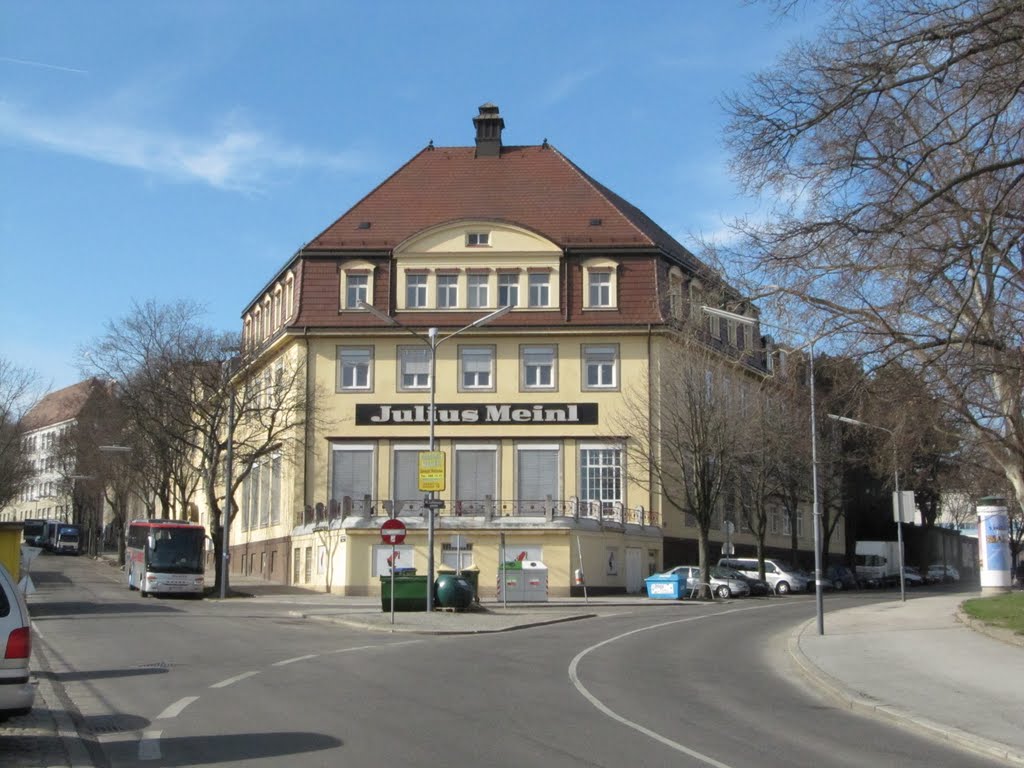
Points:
(364, 225)
(478, 239)
(595, 222)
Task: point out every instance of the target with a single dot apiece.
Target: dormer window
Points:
(601, 280)
(478, 239)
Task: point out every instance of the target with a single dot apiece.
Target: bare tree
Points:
(684, 433)
(187, 396)
(764, 453)
(261, 409)
(894, 147)
(18, 392)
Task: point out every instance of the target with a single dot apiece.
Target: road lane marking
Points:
(293, 660)
(149, 745)
(235, 679)
(370, 647)
(175, 709)
(574, 677)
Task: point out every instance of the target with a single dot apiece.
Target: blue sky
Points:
(186, 149)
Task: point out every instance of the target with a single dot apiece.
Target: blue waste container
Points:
(665, 586)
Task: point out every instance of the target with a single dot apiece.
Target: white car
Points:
(937, 572)
(17, 692)
(912, 577)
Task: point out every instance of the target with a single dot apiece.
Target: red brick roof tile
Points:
(535, 187)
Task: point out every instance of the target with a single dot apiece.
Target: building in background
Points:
(526, 405)
(48, 495)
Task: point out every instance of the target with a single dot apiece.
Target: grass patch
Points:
(1006, 611)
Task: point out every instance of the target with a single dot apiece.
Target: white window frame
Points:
(407, 355)
(345, 354)
(415, 290)
(555, 448)
(599, 289)
(477, 351)
(538, 290)
(341, 447)
(524, 377)
(357, 288)
(601, 281)
(478, 239)
(446, 290)
(393, 489)
(600, 357)
(619, 472)
(478, 291)
(675, 293)
(509, 284)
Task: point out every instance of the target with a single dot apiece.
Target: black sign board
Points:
(389, 414)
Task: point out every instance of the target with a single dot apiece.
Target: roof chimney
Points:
(488, 131)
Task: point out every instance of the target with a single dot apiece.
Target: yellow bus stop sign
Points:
(431, 470)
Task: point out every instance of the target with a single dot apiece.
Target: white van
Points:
(782, 577)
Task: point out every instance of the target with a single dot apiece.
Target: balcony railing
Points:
(609, 513)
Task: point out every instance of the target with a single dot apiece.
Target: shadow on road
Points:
(97, 674)
(237, 748)
(69, 608)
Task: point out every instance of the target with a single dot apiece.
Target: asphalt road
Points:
(169, 682)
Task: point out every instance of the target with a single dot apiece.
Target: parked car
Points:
(723, 587)
(17, 693)
(912, 577)
(782, 577)
(841, 577)
(811, 586)
(946, 574)
(758, 587)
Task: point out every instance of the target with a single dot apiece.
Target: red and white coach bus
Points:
(165, 557)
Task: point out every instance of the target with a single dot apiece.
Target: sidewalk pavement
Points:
(918, 664)
(923, 665)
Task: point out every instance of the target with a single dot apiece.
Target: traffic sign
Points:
(431, 470)
(392, 531)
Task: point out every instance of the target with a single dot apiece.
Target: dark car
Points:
(841, 577)
(758, 587)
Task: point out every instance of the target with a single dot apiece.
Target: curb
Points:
(1007, 636)
(865, 705)
(432, 631)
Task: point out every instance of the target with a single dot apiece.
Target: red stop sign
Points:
(392, 531)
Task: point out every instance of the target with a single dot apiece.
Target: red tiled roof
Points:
(62, 405)
(535, 187)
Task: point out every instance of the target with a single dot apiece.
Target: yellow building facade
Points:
(396, 307)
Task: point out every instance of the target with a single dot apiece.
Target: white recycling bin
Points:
(535, 582)
(523, 582)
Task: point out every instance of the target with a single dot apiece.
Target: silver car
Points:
(721, 586)
(17, 692)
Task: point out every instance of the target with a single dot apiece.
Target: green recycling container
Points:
(453, 591)
(410, 593)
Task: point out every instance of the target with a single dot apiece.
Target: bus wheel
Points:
(131, 586)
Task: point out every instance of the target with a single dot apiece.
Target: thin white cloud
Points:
(42, 65)
(233, 158)
(563, 86)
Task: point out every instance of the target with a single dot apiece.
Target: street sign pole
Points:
(392, 532)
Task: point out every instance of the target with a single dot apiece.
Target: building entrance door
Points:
(634, 570)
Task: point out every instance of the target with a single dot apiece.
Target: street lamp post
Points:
(433, 341)
(816, 509)
(899, 496)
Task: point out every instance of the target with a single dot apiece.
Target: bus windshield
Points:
(175, 550)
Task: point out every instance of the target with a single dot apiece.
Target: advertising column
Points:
(994, 545)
